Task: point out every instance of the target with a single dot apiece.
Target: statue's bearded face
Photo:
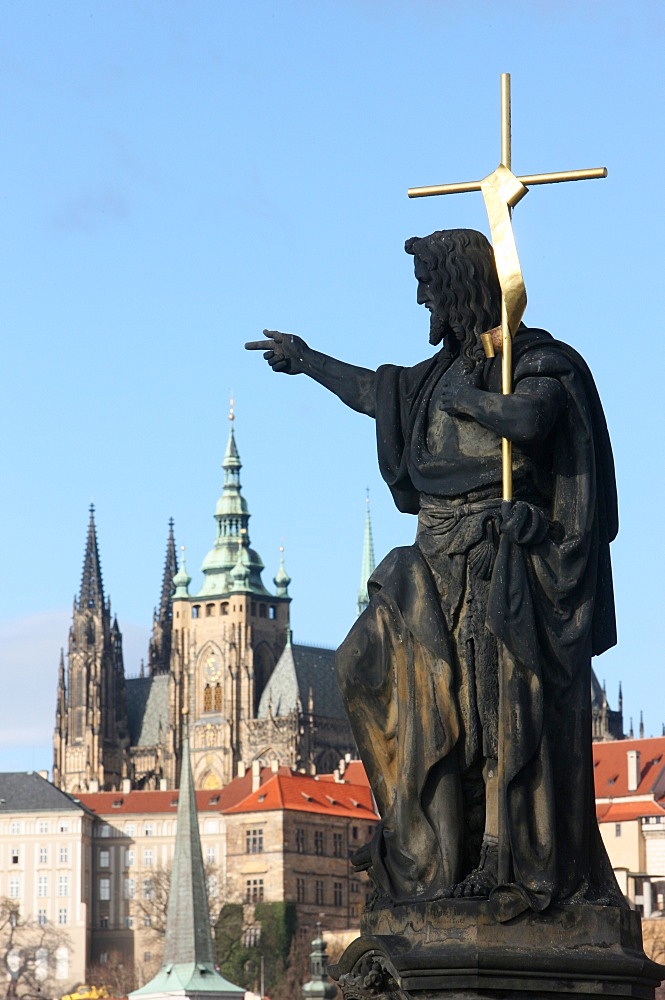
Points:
(431, 295)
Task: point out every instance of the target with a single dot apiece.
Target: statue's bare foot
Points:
(485, 877)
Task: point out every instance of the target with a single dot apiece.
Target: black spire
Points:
(170, 570)
(159, 650)
(92, 589)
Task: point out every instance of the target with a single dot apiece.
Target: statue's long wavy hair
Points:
(464, 280)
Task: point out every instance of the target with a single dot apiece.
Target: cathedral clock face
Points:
(212, 670)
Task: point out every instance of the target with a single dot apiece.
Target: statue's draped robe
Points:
(419, 670)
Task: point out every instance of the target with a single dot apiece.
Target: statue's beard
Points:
(469, 347)
(438, 329)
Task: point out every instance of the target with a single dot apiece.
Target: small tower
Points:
(91, 734)
(159, 650)
(188, 966)
(367, 567)
(281, 578)
(319, 985)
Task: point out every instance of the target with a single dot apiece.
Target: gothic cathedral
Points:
(224, 656)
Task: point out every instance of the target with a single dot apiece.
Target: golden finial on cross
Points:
(501, 191)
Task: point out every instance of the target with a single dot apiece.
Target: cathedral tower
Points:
(227, 638)
(91, 735)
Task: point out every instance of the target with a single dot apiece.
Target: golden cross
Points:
(501, 191)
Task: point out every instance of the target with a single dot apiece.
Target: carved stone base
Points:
(455, 949)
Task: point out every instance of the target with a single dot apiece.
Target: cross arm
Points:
(528, 180)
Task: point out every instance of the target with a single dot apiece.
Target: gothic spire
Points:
(188, 937)
(93, 715)
(61, 705)
(188, 964)
(368, 564)
(159, 650)
(92, 589)
(170, 570)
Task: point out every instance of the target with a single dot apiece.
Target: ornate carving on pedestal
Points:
(370, 977)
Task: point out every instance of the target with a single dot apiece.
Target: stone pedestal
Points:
(456, 950)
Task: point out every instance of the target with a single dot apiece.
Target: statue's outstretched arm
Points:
(287, 353)
(526, 416)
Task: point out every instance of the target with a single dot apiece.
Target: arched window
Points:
(218, 697)
(195, 610)
(210, 610)
(207, 699)
(224, 608)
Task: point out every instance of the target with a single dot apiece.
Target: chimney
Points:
(162, 784)
(242, 770)
(126, 786)
(274, 766)
(634, 773)
(93, 785)
(256, 775)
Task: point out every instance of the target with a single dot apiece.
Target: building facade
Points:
(271, 835)
(629, 780)
(46, 859)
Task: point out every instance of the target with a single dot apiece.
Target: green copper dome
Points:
(232, 517)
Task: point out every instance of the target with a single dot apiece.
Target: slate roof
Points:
(147, 706)
(27, 791)
(299, 669)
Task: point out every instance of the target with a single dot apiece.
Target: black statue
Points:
(479, 797)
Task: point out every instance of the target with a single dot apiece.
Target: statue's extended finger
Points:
(274, 335)
(258, 345)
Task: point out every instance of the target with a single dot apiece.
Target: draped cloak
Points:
(469, 603)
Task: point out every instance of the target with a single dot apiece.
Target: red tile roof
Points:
(354, 773)
(305, 793)
(208, 800)
(284, 789)
(617, 812)
(611, 767)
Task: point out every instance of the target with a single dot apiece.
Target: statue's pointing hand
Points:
(284, 352)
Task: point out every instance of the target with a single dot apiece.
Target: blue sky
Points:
(177, 176)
